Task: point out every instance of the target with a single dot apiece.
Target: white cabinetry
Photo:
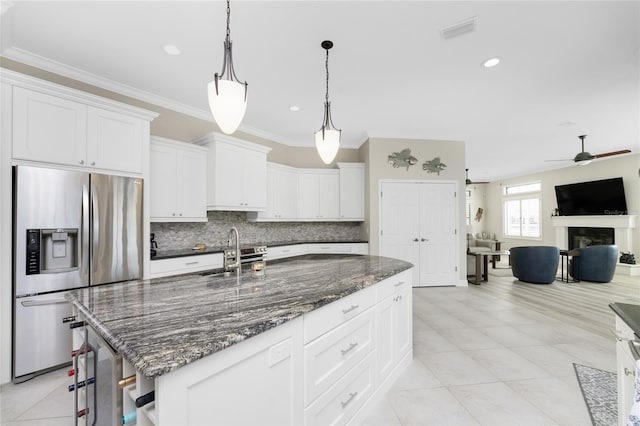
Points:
(186, 264)
(53, 129)
(178, 175)
(394, 323)
(351, 191)
(236, 174)
(626, 368)
(257, 382)
(318, 194)
(282, 191)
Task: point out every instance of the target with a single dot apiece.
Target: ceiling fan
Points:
(584, 157)
(469, 181)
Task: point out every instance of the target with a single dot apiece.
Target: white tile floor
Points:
(477, 360)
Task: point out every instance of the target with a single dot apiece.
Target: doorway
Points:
(418, 224)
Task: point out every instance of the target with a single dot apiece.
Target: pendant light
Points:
(227, 95)
(328, 137)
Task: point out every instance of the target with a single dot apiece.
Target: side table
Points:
(564, 256)
(482, 264)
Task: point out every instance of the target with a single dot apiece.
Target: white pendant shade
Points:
(228, 105)
(328, 147)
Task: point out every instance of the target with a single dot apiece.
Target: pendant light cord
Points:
(326, 65)
(228, 18)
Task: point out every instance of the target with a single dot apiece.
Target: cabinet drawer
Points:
(340, 403)
(329, 357)
(286, 251)
(318, 322)
(393, 284)
(183, 265)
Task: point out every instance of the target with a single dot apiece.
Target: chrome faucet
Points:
(236, 264)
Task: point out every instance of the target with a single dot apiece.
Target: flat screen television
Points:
(598, 197)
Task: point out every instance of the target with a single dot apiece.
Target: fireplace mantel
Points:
(622, 225)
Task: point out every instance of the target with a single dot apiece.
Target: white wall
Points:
(626, 166)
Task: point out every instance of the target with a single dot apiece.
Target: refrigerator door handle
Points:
(56, 301)
(95, 227)
(84, 252)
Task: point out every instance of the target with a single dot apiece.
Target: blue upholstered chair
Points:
(535, 264)
(595, 263)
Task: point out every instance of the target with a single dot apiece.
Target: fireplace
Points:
(623, 227)
(585, 236)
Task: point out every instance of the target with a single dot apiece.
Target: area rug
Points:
(600, 393)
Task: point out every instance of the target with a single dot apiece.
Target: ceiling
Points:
(567, 68)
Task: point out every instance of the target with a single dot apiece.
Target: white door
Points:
(417, 224)
(438, 234)
(399, 223)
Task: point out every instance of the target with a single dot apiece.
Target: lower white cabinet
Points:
(251, 383)
(338, 405)
(394, 323)
(626, 368)
(186, 264)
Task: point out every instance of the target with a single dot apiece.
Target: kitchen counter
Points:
(630, 314)
(163, 324)
(169, 254)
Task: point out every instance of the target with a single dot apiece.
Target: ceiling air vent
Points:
(455, 30)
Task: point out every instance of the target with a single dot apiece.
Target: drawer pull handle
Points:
(351, 396)
(398, 284)
(352, 308)
(191, 263)
(628, 372)
(286, 251)
(349, 349)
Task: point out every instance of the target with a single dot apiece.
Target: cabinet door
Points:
(352, 193)
(271, 211)
(163, 183)
(192, 179)
(308, 196)
(114, 141)
(287, 194)
(385, 359)
(329, 195)
(227, 191)
(403, 324)
(254, 180)
(49, 129)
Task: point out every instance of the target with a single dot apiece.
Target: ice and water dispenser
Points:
(52, 250)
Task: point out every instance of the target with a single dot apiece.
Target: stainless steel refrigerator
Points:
(71, 230)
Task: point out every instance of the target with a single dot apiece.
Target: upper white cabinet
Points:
(324, 195)
(318, 194)
(75, 130)
(282, 193)
(178, 176)
(236, 174)
(351, 191)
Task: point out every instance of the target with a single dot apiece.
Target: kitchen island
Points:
(311, 341)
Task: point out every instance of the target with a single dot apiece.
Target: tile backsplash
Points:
(174, 236)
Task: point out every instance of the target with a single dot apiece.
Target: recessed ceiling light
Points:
(171, 49)
(491, 62)
(294, 108)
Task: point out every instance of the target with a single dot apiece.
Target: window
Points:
(522, 210)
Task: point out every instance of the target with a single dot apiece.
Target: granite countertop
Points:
(163, 324)
(630, 314)
(172, 253)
